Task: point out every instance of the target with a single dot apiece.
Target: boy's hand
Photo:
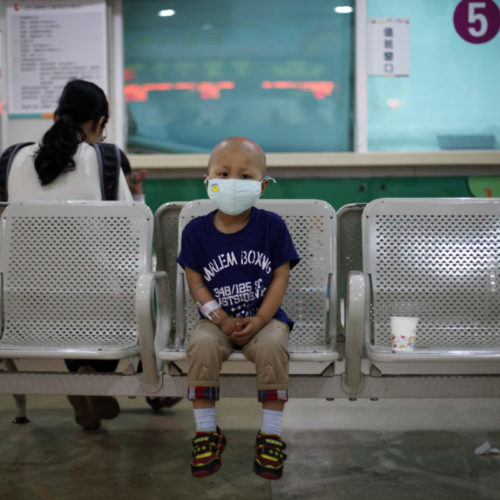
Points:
(246, 330)
(229, 325)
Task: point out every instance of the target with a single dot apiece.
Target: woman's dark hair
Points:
(80, 102)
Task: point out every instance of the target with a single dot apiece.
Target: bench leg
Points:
(20, 399)
(20, 417)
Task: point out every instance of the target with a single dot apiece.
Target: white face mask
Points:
(234, 196)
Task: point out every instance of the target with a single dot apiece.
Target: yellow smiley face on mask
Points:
(215, 188)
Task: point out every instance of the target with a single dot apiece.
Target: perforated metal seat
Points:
(438, 260)
(70, 272)
(77, 283)
(309, 300)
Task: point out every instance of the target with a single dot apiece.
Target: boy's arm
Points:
(201, 295)
(248, 327)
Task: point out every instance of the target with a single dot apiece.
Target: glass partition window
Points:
(450, 98)
(281, 73)
(277, 72)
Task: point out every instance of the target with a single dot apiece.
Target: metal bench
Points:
(438, 260)
(309, 300)
(77, 283)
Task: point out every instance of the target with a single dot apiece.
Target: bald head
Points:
(238, 151)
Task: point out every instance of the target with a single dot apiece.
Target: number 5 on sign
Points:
(477, 21)
(474, 15)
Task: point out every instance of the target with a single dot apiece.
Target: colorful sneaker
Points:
(269, 456)
(207, 449)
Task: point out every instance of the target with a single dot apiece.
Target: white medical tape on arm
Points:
(209, 309)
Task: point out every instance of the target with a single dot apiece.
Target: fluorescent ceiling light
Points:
(166, 13)
(343, 9)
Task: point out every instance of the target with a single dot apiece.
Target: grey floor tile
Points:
(336, 450)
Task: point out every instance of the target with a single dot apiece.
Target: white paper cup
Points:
(403, 333)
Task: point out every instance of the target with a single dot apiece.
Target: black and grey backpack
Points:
(110, 159)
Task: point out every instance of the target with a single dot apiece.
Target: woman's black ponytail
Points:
(80, 102)
(59, 145)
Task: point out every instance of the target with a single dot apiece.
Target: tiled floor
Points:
(336, 450)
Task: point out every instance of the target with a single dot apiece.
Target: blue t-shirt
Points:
(238, 267)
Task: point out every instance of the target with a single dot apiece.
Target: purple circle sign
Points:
(477, 21)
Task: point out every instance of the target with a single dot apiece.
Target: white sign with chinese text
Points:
(388, 51)
(50, 43)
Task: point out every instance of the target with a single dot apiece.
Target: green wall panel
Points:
(336, 191)
(419, 187)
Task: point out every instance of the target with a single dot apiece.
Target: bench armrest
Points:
(352, 380)
(152, 330)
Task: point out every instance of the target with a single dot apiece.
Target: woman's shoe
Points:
(158, 403)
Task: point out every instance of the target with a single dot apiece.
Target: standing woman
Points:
(64, 166)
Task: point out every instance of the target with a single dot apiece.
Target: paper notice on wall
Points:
(50, 43)
(388, 47)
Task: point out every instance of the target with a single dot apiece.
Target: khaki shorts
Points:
(209, 348)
